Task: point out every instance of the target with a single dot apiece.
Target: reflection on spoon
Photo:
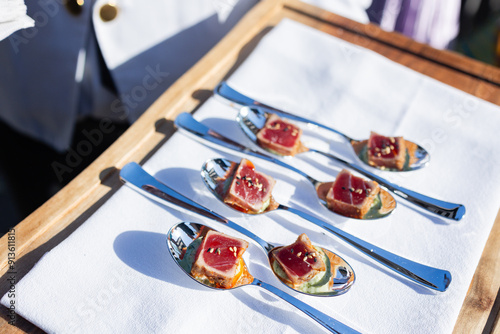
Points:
(201, 132)
(341, 275)
(215, 170)
(416, 156)
(182, 235)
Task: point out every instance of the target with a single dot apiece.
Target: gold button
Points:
(75, 7)
(108, 12)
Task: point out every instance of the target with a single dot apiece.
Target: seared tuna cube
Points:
(300, 260)
(219, 259)
(351, 196)
(279, 136)
(389, 152)
(250, 190)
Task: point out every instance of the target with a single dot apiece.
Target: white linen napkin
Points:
(114, 274)
(13, 17)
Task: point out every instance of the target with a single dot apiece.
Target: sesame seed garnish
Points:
(351, 189)
(304, 259)
(299, 253)
(211, 250)
(392, 140)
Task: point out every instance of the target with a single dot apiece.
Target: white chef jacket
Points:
(50, 74)
(53, 74)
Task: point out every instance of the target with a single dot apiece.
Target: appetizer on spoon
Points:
(222, 174)
(334, 277)
(138, 179)
(249, 191)
(375, 151)
(224, 269)
(201, 132)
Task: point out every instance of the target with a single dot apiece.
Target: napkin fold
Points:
(114, 273)
(13, 17)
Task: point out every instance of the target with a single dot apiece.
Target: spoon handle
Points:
(225, 91)
(138, 179)
(433, 278)
(441, 208)
(324, 320)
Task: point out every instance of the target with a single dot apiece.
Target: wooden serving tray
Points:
(69, 208)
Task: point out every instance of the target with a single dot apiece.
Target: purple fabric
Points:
(405, 22)
(435, 22)
(375, 11)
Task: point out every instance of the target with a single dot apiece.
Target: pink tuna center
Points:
(281, 133)
(292, 257)
(350, 189)
(384, 147)
(218, 255)
(251, 185)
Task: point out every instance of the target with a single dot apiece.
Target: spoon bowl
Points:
(417, 157)
(180, 236)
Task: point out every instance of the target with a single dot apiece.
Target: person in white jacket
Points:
(102, 58)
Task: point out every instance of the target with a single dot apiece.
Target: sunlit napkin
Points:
(114, 274)
(13, 17)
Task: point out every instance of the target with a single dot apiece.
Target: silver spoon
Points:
(417, 156)
(215, 170)
(342, 274)
(182, 234)
(201, 132)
